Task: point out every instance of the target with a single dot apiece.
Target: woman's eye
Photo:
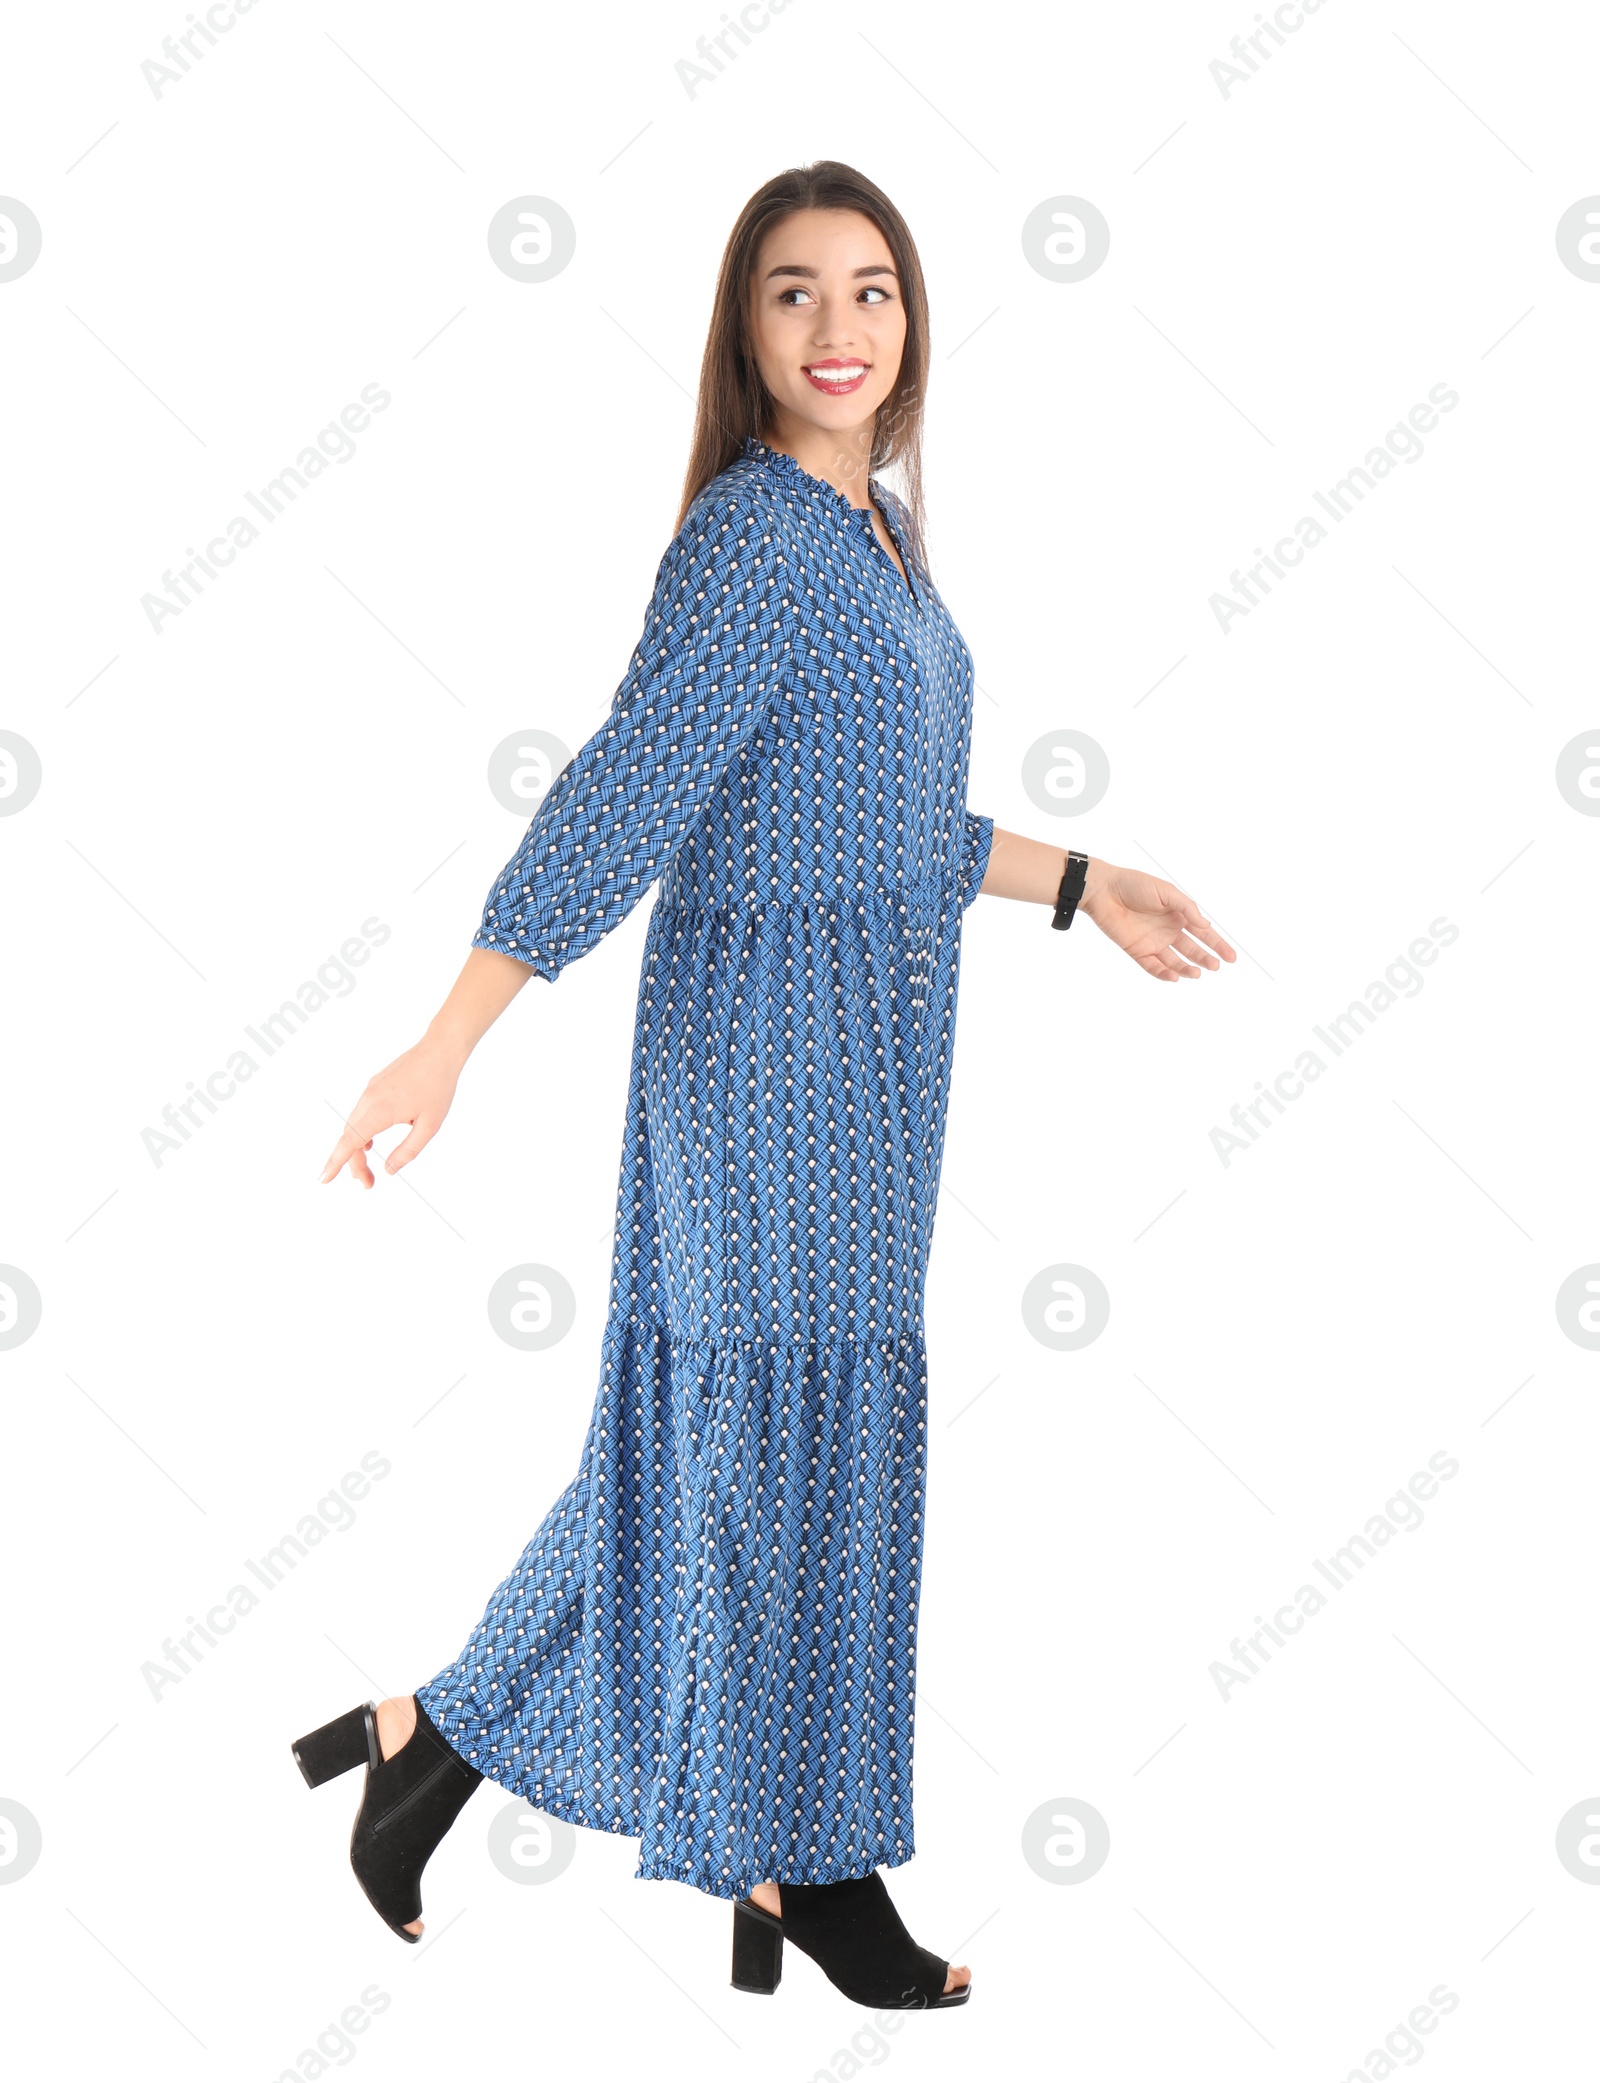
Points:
(795, 292)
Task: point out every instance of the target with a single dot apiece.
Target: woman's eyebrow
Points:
(878, 268)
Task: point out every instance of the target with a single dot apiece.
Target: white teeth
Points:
(847, 375)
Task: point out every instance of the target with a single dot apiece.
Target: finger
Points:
(1154, 955)
(423, 1131)
(1202, 929)
(359, 1169)
(359, 1131)
(1215, 941)
(1194, 952)
(340, 1156)
(1174, 967)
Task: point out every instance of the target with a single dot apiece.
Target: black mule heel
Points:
(757, 1948)
(853, 1932)
(339, 1746)
(408, 1803)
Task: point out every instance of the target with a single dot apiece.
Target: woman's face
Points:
(828, 321)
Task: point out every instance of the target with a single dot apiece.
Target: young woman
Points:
(710, 1643)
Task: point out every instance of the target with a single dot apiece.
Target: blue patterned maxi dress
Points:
(710, 1643)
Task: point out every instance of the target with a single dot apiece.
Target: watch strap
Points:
(1070, 890)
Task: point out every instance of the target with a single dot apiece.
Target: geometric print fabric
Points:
(710, 1642)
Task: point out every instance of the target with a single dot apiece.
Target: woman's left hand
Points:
(1162, 929)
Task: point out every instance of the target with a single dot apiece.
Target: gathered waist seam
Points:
(903, 897)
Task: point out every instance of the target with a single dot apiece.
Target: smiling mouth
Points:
(838, 378)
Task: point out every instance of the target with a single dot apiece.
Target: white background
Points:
(1292, 1335)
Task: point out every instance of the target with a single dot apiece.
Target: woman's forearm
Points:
(1031, 869)
(480, 994)
(1165, 932)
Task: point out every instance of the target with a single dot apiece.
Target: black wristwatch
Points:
(1071, 890)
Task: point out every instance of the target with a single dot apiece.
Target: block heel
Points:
(339, 1746)
(757, 1949)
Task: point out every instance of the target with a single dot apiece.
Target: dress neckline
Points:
(788, 466)
(780, 460)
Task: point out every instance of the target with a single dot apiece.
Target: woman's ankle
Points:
(397, 1718)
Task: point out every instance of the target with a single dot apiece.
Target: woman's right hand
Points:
(416, 1088)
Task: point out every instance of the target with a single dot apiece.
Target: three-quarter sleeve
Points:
(977, 839)
(708, 668)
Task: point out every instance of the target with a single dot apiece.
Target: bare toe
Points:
(957, 1978)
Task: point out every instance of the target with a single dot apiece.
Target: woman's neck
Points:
(840, 456)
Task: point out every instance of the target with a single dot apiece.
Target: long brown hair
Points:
(733, 401)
